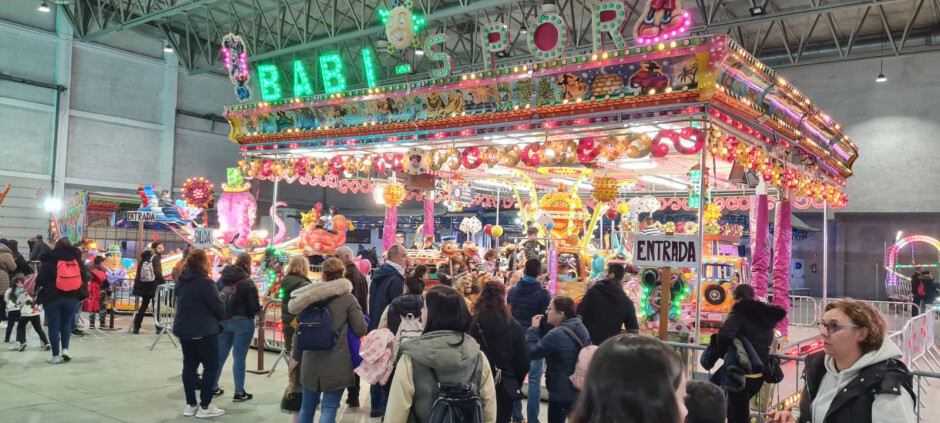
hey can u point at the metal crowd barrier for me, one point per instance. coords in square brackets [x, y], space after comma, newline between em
[895, 313]
[804, 311]
[787, 393]
[270, 321]
[165, 312]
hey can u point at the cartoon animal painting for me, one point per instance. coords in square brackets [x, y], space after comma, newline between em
[649, 78]
[435, 105]
[385, 108]
[455, 103]
[571, 86]
[236, 211]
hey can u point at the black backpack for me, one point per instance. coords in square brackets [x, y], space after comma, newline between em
[227, 293]
[458, 402]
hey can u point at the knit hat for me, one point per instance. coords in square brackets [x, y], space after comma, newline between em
[114, 249]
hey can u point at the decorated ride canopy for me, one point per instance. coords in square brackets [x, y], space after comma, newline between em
[622, 111]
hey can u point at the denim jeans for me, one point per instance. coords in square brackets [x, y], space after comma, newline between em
[59, 314]
[535, 390]
[327, 410]
[203, 350]
[517, 411]
[378, 397]
[76, 317]
[236, 336]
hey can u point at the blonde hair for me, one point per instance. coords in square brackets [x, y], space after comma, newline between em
[333, 269]
[865, 316]
[298, 265]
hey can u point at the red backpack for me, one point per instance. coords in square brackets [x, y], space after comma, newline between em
[68, 275]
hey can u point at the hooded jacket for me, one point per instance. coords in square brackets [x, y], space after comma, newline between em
[528, 298]
[507, 350]
[739, 362]
[560, 352]
[46, 290]
[401, 306]
[387, 285]
[246, 293]
[877, 388]
[148, 289]
[289, 284]
[453, 356]
[39, 248]
[328, 370]
[754, 321]
[199, 310]
[606, 310]
[7, 266]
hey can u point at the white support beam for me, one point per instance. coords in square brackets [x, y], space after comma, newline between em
[168, 138]
[25, 175]
[133, 123]
[63, 77]
[29, 105]
[97, 183]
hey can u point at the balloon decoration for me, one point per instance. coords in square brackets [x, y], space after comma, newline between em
[197, 192]
[532, 154]
[471, 158]
[488, 229]
[588, 150]
[611, 214]
[623, 208]
[393, 194]
[497, 231]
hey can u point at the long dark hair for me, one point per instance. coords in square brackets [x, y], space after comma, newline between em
[447, 310]
[244, 261]
[414, 283]
[492, 300]
[632, 379]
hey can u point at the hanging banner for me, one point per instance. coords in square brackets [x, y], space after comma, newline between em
[666, 251]
[553, 271]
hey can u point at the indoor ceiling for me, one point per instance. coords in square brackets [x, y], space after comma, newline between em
[787, 33]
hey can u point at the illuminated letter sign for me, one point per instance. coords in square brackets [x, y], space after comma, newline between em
[550, 37]
[438, 55]
[369, 66]
[331, 69]
[495, 39]
[268, 80]
[609, 17]
[301, 82]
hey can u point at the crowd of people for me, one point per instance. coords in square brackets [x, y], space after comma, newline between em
[469, 344]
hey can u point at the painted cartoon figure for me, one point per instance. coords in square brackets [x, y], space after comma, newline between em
[671, 19]
[649, 78]
[401, 26]
[115, 271]
[455, 103]
[571, 86]
[236, 61]
[435, 105]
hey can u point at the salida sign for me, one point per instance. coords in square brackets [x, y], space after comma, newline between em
[666, 251]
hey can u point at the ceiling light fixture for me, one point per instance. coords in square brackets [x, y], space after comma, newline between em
[44, 8]
[881, 74]
[168, 49]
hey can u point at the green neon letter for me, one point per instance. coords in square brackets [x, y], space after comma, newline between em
[369, 67]
[433, 54]
[268, 79]
[301, 82]
[331, 68]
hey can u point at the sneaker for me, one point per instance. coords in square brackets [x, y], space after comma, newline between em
[46, 347]
[352, 402]
[23, 346]
[190, 410]
[136, 331]
[54, 360]
[244, 396]
[65, 354]
[91, 326]
[78, 333]
[210, 411]
[15, 347]
[377, 413]
[217, 393]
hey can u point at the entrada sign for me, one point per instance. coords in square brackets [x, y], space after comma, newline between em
[547, 40]
[667, 251]
[137, 216]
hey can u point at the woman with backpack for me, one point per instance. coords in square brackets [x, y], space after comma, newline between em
[326, 312]
[240, 296]
[444, 356]
[858, 377]
[297, 270]
[199, 313]
[411, 302]
[503, 341]
[560, 348]
[60, 288]
[633, 379]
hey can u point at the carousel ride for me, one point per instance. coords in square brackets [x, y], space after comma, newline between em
[565, 141]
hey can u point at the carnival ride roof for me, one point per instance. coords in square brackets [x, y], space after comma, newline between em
[706, 83]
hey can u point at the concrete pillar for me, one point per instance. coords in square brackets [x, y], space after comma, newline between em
[168, 138]
[63, 77]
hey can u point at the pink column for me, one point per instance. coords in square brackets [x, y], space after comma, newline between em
[429, 213]
[783, 235]
[391, 226]
[760, 245]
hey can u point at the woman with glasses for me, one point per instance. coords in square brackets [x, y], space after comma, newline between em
[859, 377]
[560, 348]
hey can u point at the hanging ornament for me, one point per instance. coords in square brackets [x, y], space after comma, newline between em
[393, 194]
[492, 156]
[417, 162]
[320, 167]
[532, 155]
[367, 162]
[453, 158]
[588, 150]
[488, 229]
[336, 165]
[712, 213]
[611, 213]
[605, 188]
[471, 158]
[197, 192]
[611, 148]
[623, 208]
[639, 146]
[511, 156]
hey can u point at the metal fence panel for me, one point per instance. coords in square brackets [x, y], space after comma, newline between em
[804, 311]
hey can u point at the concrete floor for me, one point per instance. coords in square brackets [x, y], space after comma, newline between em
[113, 377]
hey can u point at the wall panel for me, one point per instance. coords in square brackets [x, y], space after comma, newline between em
[111, 152]
[25, 139]
[105, 82]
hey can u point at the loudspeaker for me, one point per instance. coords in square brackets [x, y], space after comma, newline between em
[742, 175]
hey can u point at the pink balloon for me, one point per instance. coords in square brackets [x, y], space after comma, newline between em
[364, 265]
[488, 229]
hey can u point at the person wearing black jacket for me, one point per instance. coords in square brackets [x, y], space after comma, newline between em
[22, 266]
[605, 309]
[503, 341]
[38, 249]
[754, 321]
[238, 327]
[147, 290]
[361, 292]
[388, 283]
[411, 302]
[60, 305]
[199, 312]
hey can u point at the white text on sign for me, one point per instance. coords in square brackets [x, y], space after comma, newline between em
[666, 251]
